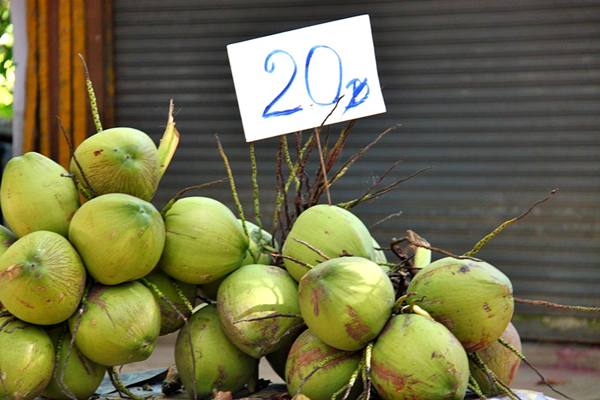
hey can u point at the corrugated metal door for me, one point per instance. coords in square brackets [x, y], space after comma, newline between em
[501, 97]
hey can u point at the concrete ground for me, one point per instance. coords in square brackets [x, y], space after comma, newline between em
[573, 370]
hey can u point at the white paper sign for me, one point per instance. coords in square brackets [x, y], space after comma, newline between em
[291, 81]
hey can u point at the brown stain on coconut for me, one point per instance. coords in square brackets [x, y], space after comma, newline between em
[316, 295]
[98, 152]
[399, 382]
[356, 328]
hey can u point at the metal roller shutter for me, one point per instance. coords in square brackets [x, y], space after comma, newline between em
[501, 97]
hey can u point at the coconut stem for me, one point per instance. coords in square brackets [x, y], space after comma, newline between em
[322, 162]
[86, 188]
[270, 316]
[91, 95]
[474, 386]
[255, 188]
[288, 159]
[322, 364]
[372, 194]
[60, 376]
[182, 296]
[291, 177]
[492, 376]
[234, 193]
[183, 191]
[7, 322]
[479, 245]
[367, 371]
[348, 387]
[115, 379]
[550, 304]
[292, 259]
[311, 247]
[521, 356]
[163, 297]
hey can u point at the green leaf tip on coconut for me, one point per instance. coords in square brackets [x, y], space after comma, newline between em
[37, 194]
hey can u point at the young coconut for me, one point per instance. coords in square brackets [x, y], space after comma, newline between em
[332, 230]
[26, 360]
[7, 238]
[80, 376]
[204, 241]
[317, 370]
[118, 160]
[207, 361]
[170, 319]
[346, 301]
[42, 278]
[36, 194]
[472, 298]
[120, 324]
[501, 360]
[257, 237]
[120, 237]
[418, 358]
[258, 308]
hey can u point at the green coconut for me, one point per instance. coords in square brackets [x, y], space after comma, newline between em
[257, 305]
[37, 195]
[332, 230]
[7, 238]
[501, 360]
[120, 324]
[170, 319]
[26, 360]
[42, 278]
[472, 298]
[317, 370]
[346, 301]
[257, 236]
[120, 237]
[417, 358]
[204, 242]
[207, 361]
[80, 376]
[118, 160]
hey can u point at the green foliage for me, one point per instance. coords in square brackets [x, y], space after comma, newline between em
[7, 65]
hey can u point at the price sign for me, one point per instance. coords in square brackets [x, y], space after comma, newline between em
[291, 81]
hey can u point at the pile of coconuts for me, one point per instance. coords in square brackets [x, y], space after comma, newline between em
[91, 274]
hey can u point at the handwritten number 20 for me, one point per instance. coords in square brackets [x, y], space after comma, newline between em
[357, 85]
[270, 67]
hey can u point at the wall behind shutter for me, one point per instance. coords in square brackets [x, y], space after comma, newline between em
[501, 98]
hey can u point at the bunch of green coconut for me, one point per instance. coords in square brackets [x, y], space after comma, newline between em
[91, 273]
